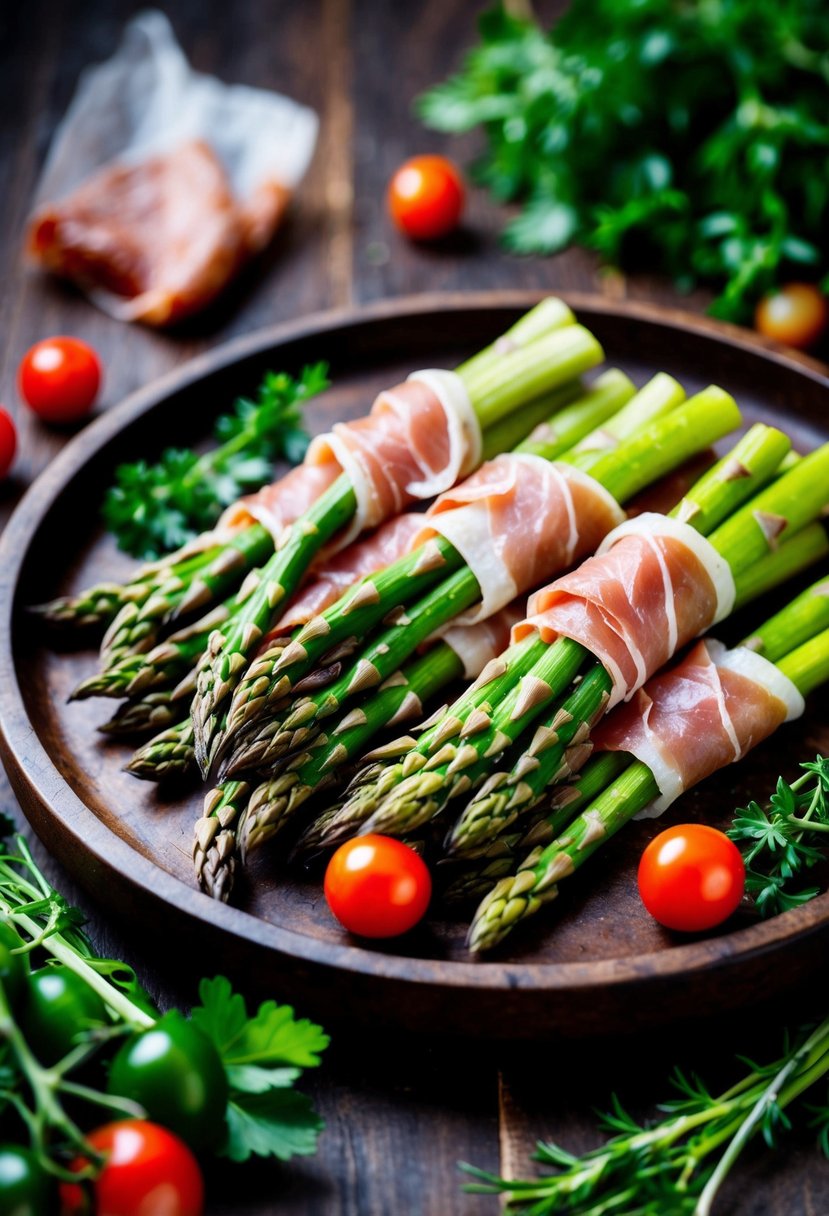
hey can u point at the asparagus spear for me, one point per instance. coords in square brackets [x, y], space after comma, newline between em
[651, 450]
[214, 840]
[517, 377]
[98, 605]
[742, 540]
[169, 754]
[137, 627]
[536, 882]
[272, 676]
[275, 802]
[477, 875]
[156, 711]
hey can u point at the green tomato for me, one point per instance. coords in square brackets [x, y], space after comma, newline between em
[174, 1072]
[13, 967]
[25, 1187]
[58, 1008]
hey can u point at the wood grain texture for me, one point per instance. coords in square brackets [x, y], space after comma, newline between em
[400, 1110]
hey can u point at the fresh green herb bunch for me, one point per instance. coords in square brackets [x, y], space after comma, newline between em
[243, 1103]
[692, 137]
[155, 508]
[781, 841]
[674, 1167]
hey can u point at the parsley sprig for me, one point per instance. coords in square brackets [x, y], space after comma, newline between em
[263, 1053]
[781, 841]
[154, 508]
[689, 137]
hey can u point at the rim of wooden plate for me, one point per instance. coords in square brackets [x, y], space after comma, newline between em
[41, 787]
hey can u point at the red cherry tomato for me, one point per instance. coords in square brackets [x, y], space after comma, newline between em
[691, 877]
[377, 886]
[796, 314]
[426, 197]
[8, 441]
[147, 1170]
[59, 378]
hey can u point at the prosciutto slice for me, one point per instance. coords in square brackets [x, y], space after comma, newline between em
[333, 577]
[653, 585]
[708, 711]
[476, 644]
[419, 438]
[281, 503]
[517, 521]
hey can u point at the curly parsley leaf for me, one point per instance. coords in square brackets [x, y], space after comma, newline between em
[155, 508]
[687, 137]
[263, 1056]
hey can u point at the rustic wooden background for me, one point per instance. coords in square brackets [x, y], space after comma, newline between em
[399, 1113]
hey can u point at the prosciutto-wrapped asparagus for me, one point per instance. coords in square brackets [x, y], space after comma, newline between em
[685, 724]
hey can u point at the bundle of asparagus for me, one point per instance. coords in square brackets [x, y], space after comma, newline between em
[333, 630]
[737, 700]
[652, 450]
[652, 435]
[460, 750]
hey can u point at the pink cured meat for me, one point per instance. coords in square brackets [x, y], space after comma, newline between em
[519, 520]
[277, 505]
[708, 711]
[476, 644]
[654, 585]
[334, 577]
[419, 439]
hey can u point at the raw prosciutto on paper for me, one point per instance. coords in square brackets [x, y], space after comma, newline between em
[653, 585]
[519, 520]
[419, 439]
[161, 182]
[708, 711]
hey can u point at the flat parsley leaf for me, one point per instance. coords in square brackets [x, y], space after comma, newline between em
[263, 1056]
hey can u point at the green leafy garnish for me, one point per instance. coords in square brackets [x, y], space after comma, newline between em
[263, 1056]
[677, 1164]
[690, 137]
[155, 508]
[781, 841]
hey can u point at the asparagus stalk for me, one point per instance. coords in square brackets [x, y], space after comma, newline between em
[154, 712]
[467, 761]
[536, 882]
[477, 875]
[98, 605]
[275, 802]
[214, 839]
[169, 754]
[517, 377]
[273, 675]
[137, 627]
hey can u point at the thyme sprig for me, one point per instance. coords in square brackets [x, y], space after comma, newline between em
[674, 1167]
[781, 841]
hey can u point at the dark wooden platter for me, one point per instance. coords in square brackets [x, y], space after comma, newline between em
[595, 961]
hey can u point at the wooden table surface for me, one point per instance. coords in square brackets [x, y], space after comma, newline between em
[399, 1112]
